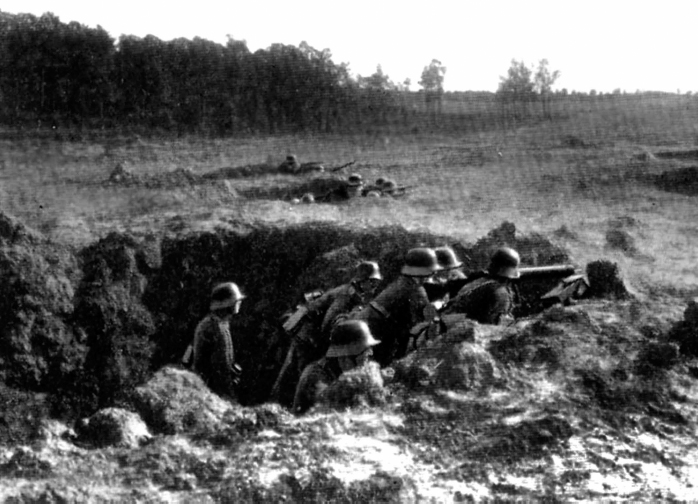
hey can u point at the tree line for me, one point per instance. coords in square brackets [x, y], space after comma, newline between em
[68, 74]
[71, 74]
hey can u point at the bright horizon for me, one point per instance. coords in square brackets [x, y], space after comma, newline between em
[601, 45]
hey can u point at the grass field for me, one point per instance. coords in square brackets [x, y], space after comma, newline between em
[582, 173]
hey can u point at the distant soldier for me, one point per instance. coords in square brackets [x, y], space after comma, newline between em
[491, 298]
[351, 346]
[311, 332]
[355, 184]
[213, 352]
[389, 188]
[375, 189]
[290, 165]
[401, 306]
[346, 189]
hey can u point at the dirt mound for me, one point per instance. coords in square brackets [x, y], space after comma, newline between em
[467, 366]
[37, 344]
[620, 239]
[685, 332]
[362, 386]
[113, 427]
[176, 400]
[574, 142]
[682, 181]
[690, 154]
[117, 326]
[605, 280]
[21, 415]
[331, 269]
[320, 187]
[236, 172]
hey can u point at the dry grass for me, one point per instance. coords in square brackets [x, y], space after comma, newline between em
[467, 184]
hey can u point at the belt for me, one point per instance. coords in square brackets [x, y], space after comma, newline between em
[379, 309]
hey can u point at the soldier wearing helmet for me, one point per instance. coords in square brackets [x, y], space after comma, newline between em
[451, 266]
[374, 189]
[351, 346]
[355, 184]
[291, 165]
[214, 354]
[389, 188]
[311, 335]
[451, 273]
[491, 298]
[402, 305]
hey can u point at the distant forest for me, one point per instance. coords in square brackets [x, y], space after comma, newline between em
[59, 75]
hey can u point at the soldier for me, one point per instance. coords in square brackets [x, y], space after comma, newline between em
[451, 271]
[374, 189]
[290, 165]
[491, 298]
[389, 188]
[312, 330]
[214, 355]
[351, 346]
[355, 184]
[345, 189]
[401, 306]
[451, 266]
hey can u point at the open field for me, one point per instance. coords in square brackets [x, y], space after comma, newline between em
[579, 403]
[582, 173]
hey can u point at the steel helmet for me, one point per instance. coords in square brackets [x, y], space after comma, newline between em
[389, 186]
[355, 179]
[225, 295]
[447, 258]
[368, 270]
[505, 263]
[350, 338]
[420, 262]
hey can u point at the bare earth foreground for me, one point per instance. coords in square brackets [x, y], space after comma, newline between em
[592, 401]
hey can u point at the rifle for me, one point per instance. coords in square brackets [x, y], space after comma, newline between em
[400, 190]
[337, 168]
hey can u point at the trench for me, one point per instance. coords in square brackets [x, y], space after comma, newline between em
[129, 305]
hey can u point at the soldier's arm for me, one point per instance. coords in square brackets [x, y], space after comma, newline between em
[319, 306]
[309, 388]
[343, 303]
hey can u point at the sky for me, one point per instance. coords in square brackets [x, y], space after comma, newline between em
[595, 44]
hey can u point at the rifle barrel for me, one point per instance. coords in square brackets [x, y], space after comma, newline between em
[556, 270]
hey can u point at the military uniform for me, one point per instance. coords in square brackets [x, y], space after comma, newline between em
[352, 346]
[488, 300]
[392, 314]
[214, 355]
[315, 379]
[312, 339]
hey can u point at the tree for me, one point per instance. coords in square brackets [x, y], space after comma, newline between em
[517, 90]
[432, 83]
[543, 82]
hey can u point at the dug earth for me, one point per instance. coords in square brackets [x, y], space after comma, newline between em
[595, 399]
